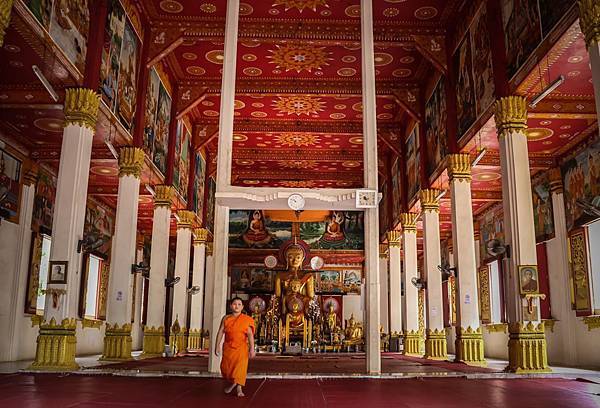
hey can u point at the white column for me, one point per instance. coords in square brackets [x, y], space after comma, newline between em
[384, 297]
[559, 273]
[182, 267]
[200, 236]
[412, 336]
[159, 257]
[138, 284]
[525, 354]
[117, 340]
[17, 290]
[590, 26]
[209, 275]
[469, 337]
[394, 242]
[435, 342]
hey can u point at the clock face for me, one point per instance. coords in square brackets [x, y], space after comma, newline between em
[296, 202]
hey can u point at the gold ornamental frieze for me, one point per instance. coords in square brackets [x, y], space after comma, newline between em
[383, 251]
[186, 219]
[81, 107]
[200, 235]
[429, 199]
[163, 196]
[459, 167]
[131, 161]
[589, 20]
[154, 342]
[409, 222]
[510, 114]
[394, 238]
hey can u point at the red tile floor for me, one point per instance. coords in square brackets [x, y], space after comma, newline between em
[75, 390]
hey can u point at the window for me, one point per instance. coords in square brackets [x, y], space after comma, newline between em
[43, 275]
[91, 287]
[496, 291]
[594, 244]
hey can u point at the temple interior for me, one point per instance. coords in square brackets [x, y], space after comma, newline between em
[398, 190]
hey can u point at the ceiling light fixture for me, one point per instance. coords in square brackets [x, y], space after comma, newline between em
[45, 82]
[150, 190]
[440, 195]
[112, 149]
[557, 82]
[479, 157]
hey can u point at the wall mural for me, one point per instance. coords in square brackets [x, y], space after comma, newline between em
[330, 282]
[251, 229]
[100, 219]
[581, 178]
[491, 226]
[435, 122]
[412, 164]
[181, 172]
[10, 179]
[526, 23]
[69, 26]
[198, 193]
[465, 89]
[542, 209]
[43, 201]
[210, 203]
[158, 117]
[251, 279]
[340, 230]
[384, 209]
[396, 190]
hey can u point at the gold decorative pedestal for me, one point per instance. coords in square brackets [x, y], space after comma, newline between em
[154, 342]
[195, 339]
[469, 347]
[435, 345]
[527, 351]
[413, 341]
[117, 343]
[178, 340]
[56, 345]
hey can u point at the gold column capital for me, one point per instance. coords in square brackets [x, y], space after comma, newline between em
[131, 161]
[409, 222]
[81, 108]
[510, 114]
[589, 20]
[459, 167]
[5, 8]
[429, 199]
[30, 177]
[209, 248]
[163, 196]
[186, 218]
[200, 235]
[383, 251]
[556, 182]
[394, 238]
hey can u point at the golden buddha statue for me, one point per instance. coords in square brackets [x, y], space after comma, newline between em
[257, 317]
[353, 333]
[331, 319]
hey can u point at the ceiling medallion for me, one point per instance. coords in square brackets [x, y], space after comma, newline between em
[391, 12]
[299, 105]
[251, 182]
[210, 113]
[337, 115]
[208, 8]
[299, 57]
[171, 6]
[351, 163]
[358, 140]
[295, 183]
[537, 134]
[297, 139]
[383, 58]
[346, 72]
[190, 56]
[49, 124]
[298, 164]
[215, 56]
[300, 5]
[252, 71]
[195, 70]
[402, 73]
[353, 11]
[348, 59]
[426, 13]
[259, 114]
[245, 9]
[249, 57]
[237, 104]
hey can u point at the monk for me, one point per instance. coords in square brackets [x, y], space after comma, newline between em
[238, 329]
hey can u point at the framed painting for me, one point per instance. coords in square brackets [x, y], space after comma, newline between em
[352, 279]
[435, 121]
[10, 185]
[330, 282]
[465, 89]
[529, 281]
[58, 272]
[69, 26]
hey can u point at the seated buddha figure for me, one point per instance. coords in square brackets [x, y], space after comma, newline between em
[334, 232]
[353, 333]
[295, 288]
[256, 234]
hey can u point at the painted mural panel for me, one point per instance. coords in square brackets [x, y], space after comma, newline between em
[100, 220]
[465, 89]
[251, 279]
[161, 140]
[340, 230]
[412, 164]
[396, 190]
[150, 114]
[483, 74]
[69, 25]
[198, 193]
[126, 88]
[435, 120]
[252, 229]
[42, 10]
[581, 178]
[522, 34]
[43, 202]
[542, 210]
[210, 202]
[111, 50]
[491, 226]
[352, 279]
[330, 282]
[181, 172]
[10, 187]
[384, 209]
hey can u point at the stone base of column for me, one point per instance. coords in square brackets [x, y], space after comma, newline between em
[195, 339]
[469, 347]
[178, 340]
[56, 345]
[154, 342]
[117, 343]
[527, 351]
[435, 345]
[413, 341]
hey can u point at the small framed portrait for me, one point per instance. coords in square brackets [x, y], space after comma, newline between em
[528, 279]
[58, 272]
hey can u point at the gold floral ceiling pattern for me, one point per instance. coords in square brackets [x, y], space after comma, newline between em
[299, 105]
[299, 57]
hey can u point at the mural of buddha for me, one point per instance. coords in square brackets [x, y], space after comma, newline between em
[256, 234]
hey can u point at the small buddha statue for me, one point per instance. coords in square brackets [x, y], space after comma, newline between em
[331, 321]
[257, 317]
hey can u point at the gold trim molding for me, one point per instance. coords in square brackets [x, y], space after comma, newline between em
[459, 167]
[510, 114]
[163, 196]
[589, 21]
[469, 346]
[5, 8]
[394, 239]
[81, 108]
[200, 235]
[209, 249]
[409, 222]
[429, 199]
[36, 320]
[497, 328]
[549, 324]
[592, 322]
[131, 161]
[91, 324]
[383, 251]
[527, 351]
[186, 219]
[413, 340]
[56, 344]
[436, 347]
[117, 342]
[154, 342]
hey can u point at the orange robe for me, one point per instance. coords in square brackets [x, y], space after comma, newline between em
[234, 364]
